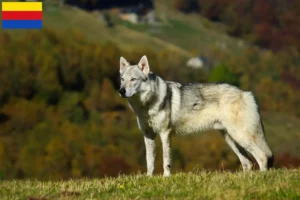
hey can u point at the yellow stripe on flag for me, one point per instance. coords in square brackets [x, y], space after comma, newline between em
[22, 6]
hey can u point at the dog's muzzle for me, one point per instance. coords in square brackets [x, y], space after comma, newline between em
[122, 92]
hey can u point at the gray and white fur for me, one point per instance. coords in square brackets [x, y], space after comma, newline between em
[164, 107]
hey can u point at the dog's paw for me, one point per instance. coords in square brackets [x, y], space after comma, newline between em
[149, 174]
[167, 174]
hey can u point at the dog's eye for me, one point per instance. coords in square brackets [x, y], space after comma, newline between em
[133, 79]
[122, 79]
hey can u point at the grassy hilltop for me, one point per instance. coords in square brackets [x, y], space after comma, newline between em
[275, 184]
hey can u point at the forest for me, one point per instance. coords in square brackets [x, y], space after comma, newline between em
[272, 24]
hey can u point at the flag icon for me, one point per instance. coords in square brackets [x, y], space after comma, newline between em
[22, 15]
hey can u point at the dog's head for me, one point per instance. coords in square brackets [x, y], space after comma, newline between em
[133, 76]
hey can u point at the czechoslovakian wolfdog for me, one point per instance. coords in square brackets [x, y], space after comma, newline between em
[165, 107]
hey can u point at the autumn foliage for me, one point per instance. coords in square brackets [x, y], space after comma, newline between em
[267, 23]
[61, 116]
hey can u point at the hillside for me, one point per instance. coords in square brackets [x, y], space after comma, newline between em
[65, 19]
[275, 184]
[177, 33]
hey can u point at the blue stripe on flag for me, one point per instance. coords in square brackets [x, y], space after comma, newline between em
[22, 24]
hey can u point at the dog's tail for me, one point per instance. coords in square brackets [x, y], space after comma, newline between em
[271, 156]
[270, 161]
[253, 114]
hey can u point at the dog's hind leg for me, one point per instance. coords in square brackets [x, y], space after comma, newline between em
[239, 151]
[250, 143]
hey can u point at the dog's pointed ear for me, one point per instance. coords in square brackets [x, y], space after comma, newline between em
[144, 65]
[123, 65]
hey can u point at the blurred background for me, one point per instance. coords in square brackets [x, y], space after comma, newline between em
[60, 113]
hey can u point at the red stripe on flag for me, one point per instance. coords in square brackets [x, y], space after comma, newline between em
[22, 15]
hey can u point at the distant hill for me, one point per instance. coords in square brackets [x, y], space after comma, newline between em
[107, 4]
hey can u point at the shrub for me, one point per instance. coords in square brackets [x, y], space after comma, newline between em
[221, 73]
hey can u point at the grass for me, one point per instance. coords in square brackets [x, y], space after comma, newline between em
[274, 184]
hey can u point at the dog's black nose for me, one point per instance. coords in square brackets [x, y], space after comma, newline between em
[122, 91]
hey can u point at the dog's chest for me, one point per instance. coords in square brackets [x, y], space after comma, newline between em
[155, 120]
[150, 115]
[152, 119]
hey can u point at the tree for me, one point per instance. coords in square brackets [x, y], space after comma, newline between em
[221, 73]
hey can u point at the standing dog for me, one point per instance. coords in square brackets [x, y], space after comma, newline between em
[163, 107]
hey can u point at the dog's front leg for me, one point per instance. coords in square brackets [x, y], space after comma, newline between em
[150, 153]
[167, 157]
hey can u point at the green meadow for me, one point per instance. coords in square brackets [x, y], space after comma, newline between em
[274, 184]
